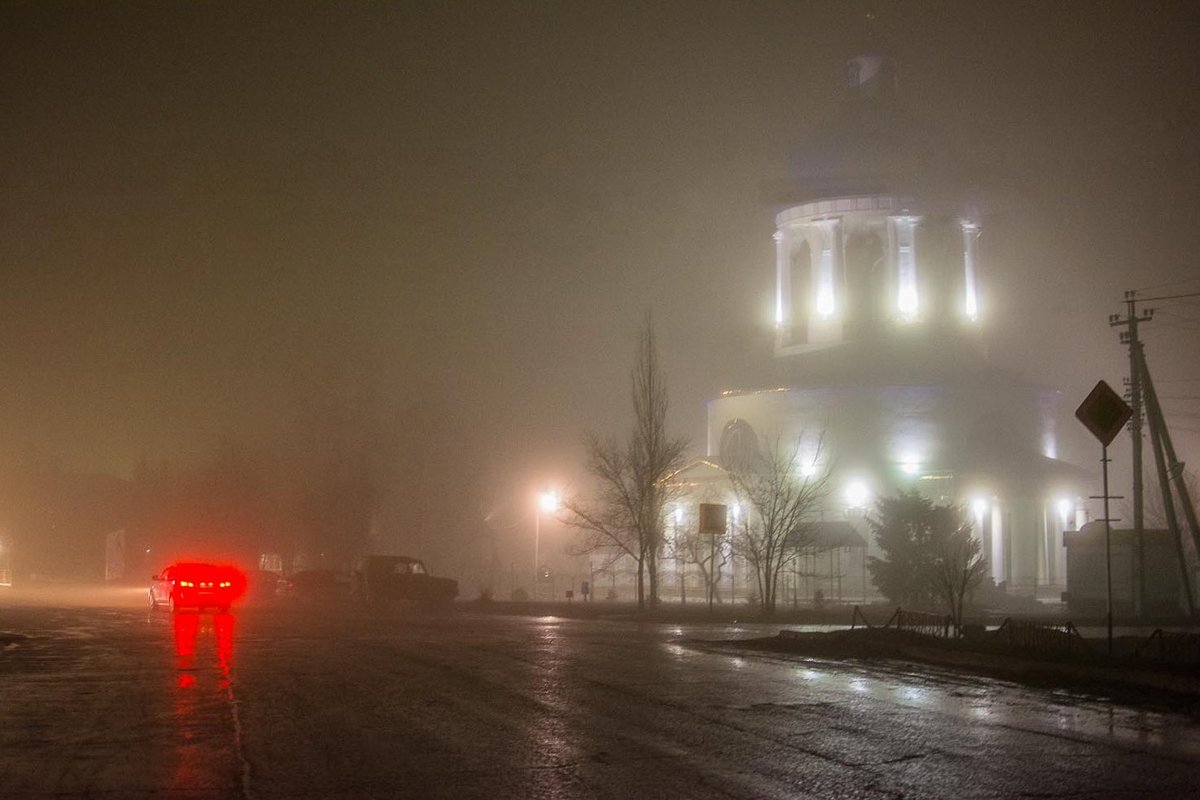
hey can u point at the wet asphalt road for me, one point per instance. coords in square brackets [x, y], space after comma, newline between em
[285, 701]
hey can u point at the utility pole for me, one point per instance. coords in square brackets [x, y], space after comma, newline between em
[1160, 440]
[1130, 337]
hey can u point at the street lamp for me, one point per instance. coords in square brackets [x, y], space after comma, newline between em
[548, 502]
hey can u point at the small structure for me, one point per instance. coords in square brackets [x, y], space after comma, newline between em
[829, 552]
[1086, 572]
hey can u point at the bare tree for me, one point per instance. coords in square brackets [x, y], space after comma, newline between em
[690, 546]
[782, 494]
[634, 488]
[958, 567]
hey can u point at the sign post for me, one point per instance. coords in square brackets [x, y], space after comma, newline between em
[1104, 413]
[712, 524]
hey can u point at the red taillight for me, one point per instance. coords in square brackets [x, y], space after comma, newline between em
[187, 584]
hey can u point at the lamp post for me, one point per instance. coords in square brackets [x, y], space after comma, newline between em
[548, 503]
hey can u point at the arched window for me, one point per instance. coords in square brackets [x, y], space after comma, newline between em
[801, 286]
[864, 283]
[739, 445]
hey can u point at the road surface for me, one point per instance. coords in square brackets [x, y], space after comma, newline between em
[113, 701]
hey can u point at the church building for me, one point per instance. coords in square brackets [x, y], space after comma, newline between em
[881, 367]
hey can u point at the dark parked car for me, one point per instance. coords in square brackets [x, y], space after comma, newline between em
[319, 584]
[383, 580]
[191, 584]
[263, 585]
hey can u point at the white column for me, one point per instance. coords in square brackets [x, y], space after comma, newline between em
[826, 292]
[971, 300]
[907, 296]
[998, 536]
[783, 278]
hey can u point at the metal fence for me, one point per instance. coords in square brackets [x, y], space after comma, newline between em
[1172, 648]
[1041, 637]
[921, 622]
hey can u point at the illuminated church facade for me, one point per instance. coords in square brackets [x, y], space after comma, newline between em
[881, 369]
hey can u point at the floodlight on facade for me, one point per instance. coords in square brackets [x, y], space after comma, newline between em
[858, 494]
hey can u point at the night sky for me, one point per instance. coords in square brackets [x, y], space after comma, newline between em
[216, 216]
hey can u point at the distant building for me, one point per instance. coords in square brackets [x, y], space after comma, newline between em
[1088, 566]
[881, 368]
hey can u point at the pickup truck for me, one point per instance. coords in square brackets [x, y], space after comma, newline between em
[385, 580]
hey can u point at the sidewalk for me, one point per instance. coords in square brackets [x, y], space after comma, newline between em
[1138, 679]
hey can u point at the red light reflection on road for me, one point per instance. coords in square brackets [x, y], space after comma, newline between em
[223, 626]
[187, 629]
[203, 698]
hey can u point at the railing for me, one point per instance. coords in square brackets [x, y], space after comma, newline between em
[922, 622]
[1173, 648]
[856, 617]
[1042, 637]
[915, 621]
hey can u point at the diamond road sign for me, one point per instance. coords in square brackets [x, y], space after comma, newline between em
[1104, 413]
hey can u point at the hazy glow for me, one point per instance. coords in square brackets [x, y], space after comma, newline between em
[970, 231]
[857, 494]
[825, 298]
[548, 501]
[907, 302]
[906, 269]
[780, 265]
[999, 534]
[979, 506]
[1065, 509]
[678, 515]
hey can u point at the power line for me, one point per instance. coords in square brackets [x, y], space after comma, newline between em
[1169, 296]
[1168, 283]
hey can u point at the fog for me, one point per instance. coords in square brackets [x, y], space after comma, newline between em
[406, 249]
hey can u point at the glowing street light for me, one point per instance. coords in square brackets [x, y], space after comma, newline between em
[548, 502]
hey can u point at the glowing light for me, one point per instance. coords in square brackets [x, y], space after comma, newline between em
[780, 261]
[1065, 508]
[980, 506]
[971, 306]
[906, 268]
[910, 467]
[907, 302]
[825, 307]
[678, 515]
[809, 470]
[548, 501]
[857, 494]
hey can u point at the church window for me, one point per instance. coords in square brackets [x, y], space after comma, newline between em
[739, 445]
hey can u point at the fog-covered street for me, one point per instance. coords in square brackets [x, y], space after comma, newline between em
[301, 701]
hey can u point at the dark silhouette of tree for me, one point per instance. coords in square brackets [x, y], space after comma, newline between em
[633, 479]
[930, 555]
[958, 567]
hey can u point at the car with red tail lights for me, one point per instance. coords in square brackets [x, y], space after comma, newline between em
[193, 584]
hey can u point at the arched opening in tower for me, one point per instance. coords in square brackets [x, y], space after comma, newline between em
[864, 283]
